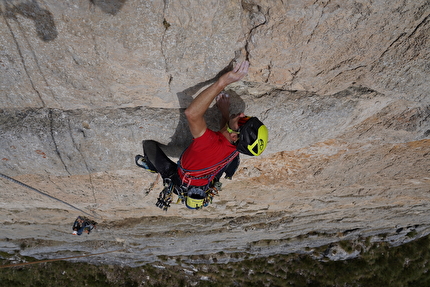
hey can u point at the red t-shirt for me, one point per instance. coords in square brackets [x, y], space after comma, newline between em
[205, 151]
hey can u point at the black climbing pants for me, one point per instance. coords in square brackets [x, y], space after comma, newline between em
[158, 160]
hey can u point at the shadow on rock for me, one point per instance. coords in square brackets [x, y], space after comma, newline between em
[182, 136]
[111, 7]
[43, 19]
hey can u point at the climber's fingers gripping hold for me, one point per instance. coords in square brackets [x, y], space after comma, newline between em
[238, 72]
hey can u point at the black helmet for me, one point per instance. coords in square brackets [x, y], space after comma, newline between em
[253, 137]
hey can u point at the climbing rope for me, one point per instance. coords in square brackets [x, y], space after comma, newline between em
[151, 186]
[45, 194]
[58, 259]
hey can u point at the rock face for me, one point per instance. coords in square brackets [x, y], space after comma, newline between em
[342, 86]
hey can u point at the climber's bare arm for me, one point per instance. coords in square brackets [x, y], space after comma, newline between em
[201, 103]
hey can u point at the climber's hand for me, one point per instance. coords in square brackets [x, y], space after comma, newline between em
[239, 71]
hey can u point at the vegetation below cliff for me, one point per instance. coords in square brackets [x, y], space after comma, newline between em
[378, 264]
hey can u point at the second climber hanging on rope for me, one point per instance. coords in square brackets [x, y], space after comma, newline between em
[196, 176]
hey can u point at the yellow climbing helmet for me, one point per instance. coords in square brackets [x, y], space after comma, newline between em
[253, 137]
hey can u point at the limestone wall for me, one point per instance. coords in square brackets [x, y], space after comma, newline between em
[342, 85]
[83, 82]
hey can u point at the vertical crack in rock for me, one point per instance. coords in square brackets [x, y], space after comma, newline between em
[52, 132]
[6, 15]
[257, 19]
[83, 158]
[423, 8]
[314, 28]
[10, 13]
[318, 23]
[398, 41]
[391, 45]
[163, 38]
[419, 25]
[269, 68]
[312, 35]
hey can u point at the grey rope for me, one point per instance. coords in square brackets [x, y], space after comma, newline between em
[45, 194]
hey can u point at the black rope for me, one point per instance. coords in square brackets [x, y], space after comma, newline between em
[45, 194]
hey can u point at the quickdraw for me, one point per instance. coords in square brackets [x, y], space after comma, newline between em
[165, 197]
[211, 193]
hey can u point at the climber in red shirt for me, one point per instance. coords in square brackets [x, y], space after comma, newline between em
[211, 153]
